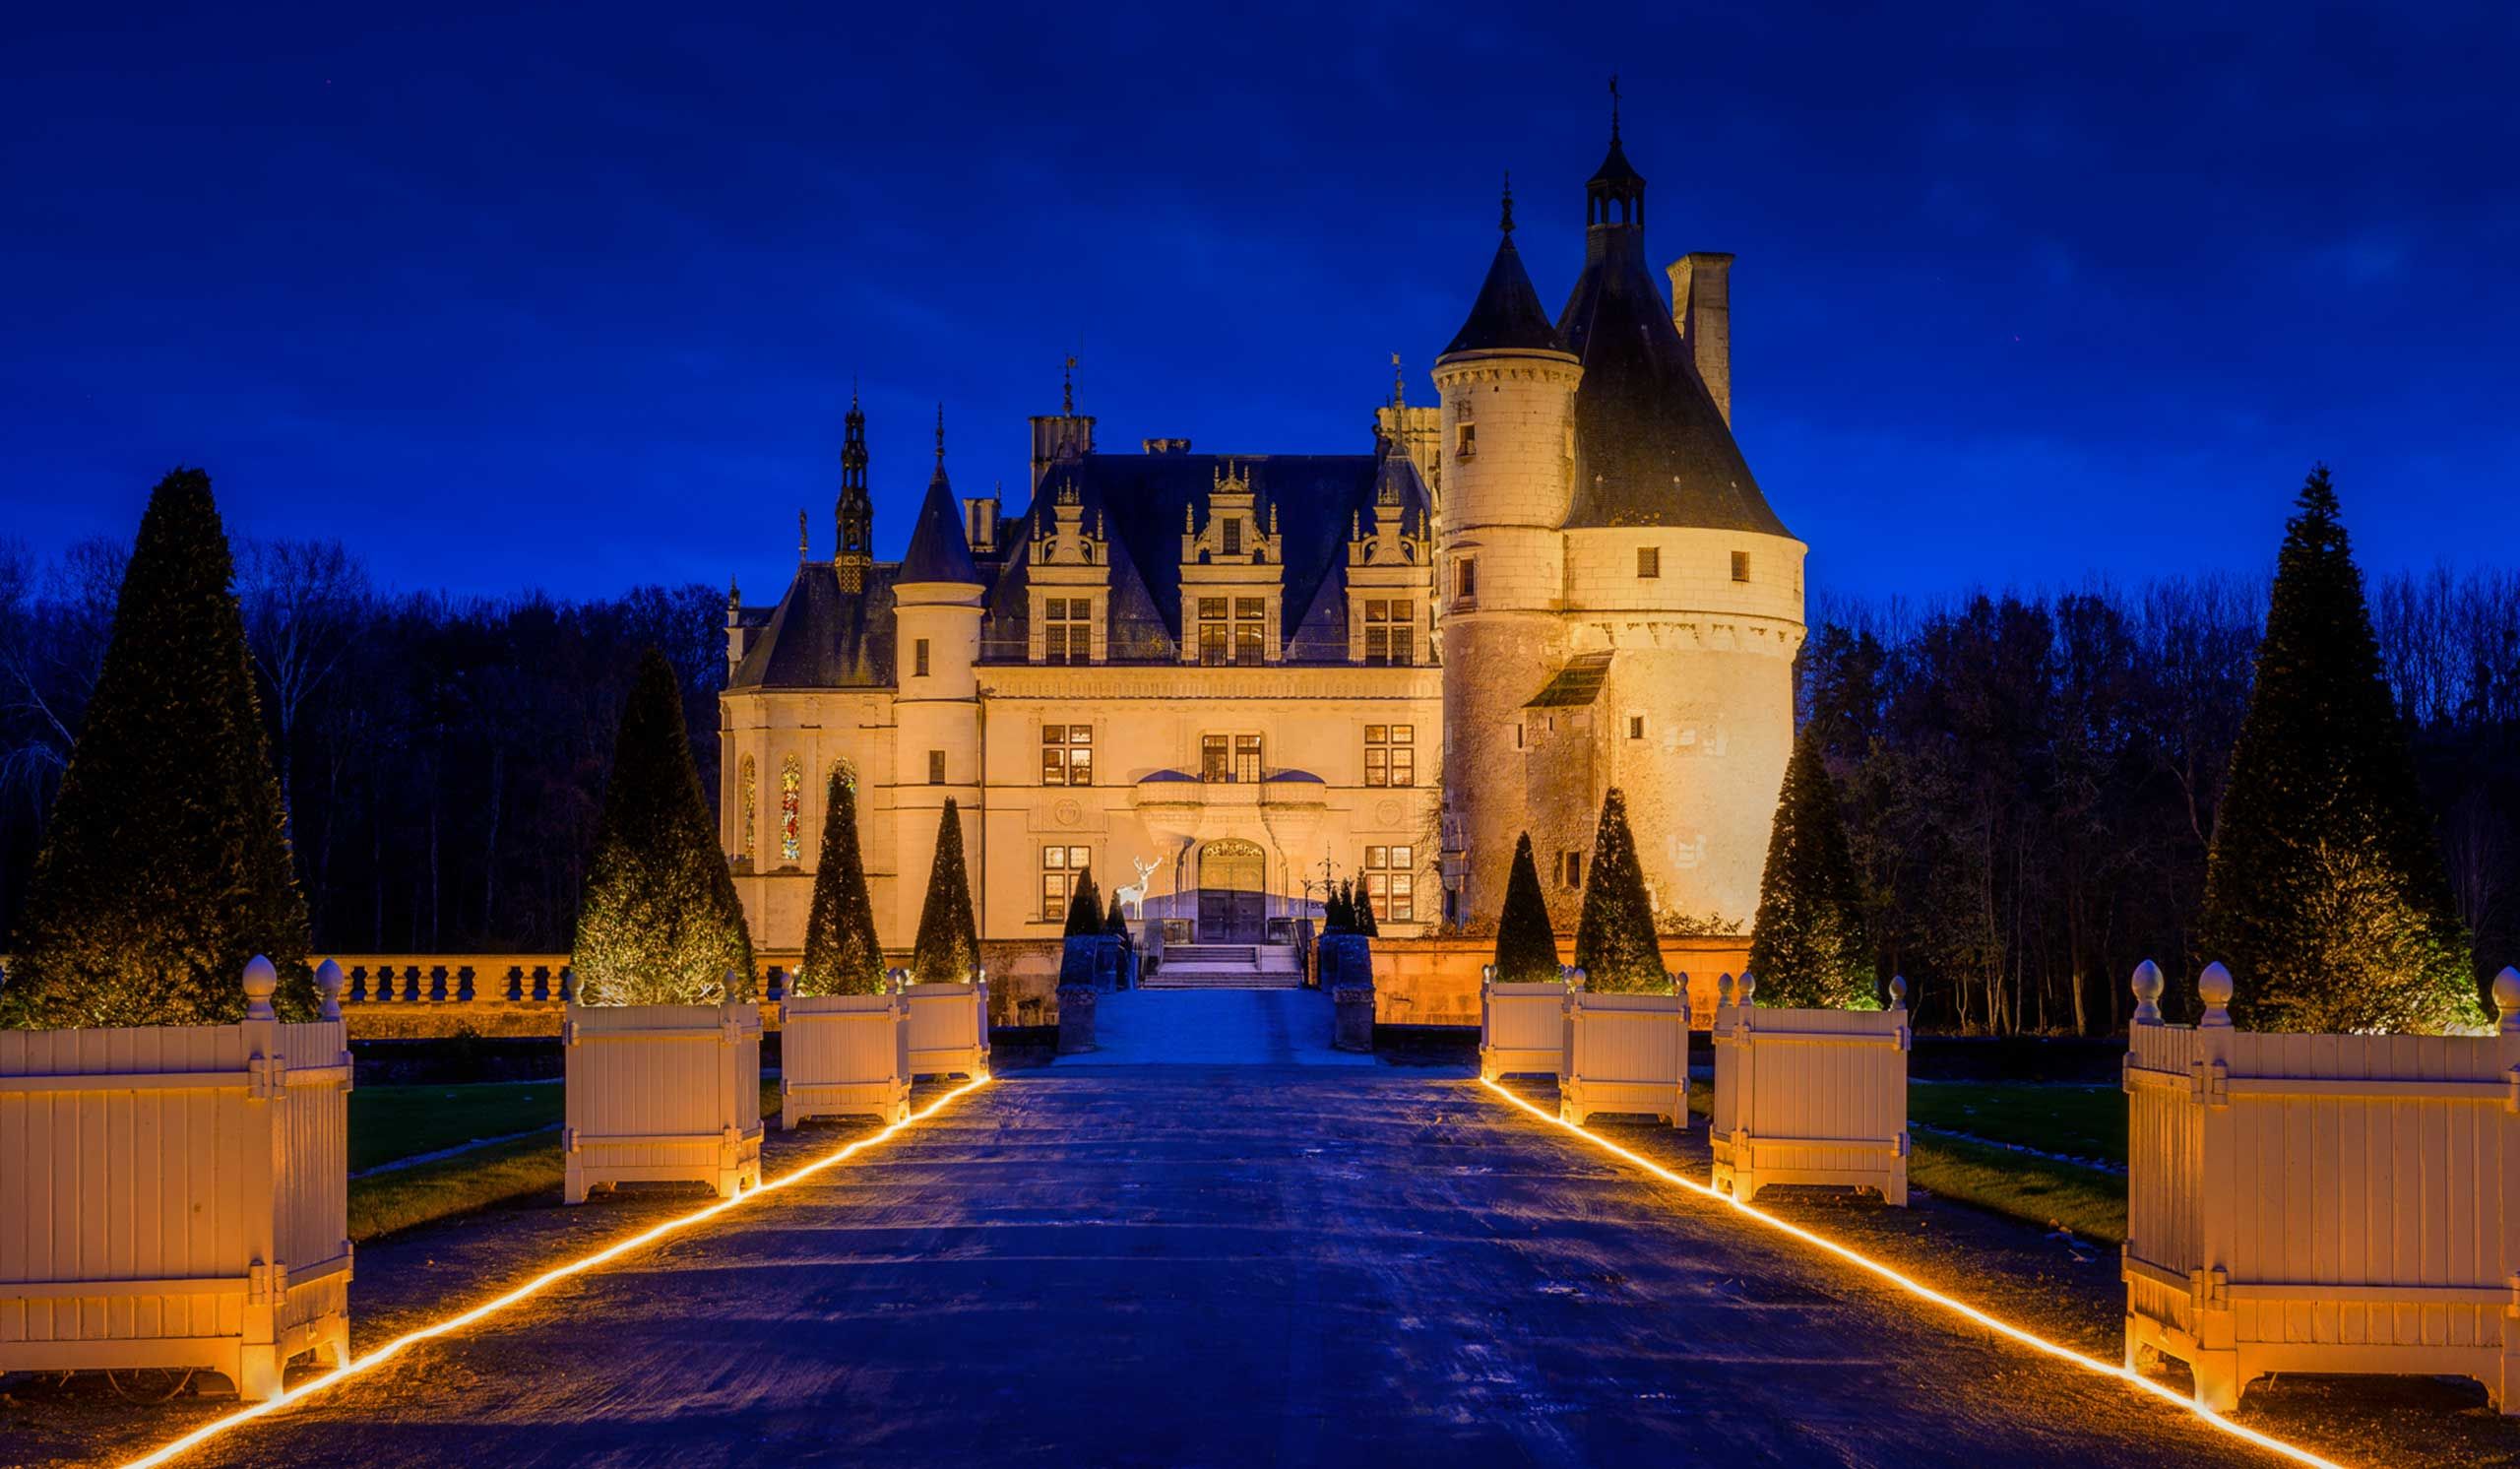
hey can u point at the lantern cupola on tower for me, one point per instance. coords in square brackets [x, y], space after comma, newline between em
[856, 552]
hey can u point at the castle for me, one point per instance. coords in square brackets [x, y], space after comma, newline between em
[1247, 675]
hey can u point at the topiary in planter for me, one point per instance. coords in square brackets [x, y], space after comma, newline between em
[659, 921]
[949, 938]
[165, 867]
[842, 953]
[1808, 945]
[1084, 907]
[1526, 942]
[1614, 940]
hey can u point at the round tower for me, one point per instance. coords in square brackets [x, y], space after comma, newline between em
[1508, 387]
[936, 618]
[1683, 586]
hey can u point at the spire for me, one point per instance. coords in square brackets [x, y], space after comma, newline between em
[1615, 196]
[1507, 315]
[1613, 106]
[855, 512]
[1399, 384]
[1506, 224]
[939, 551]
[804, 540]
[1067, 388]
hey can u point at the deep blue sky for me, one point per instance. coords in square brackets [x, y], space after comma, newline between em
[575, 300]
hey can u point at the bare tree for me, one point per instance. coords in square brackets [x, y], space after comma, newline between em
[306, 604]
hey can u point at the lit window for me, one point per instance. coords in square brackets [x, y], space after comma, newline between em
[1246, 758]
[1465, 441]
[1469, 586]
[1391, 754]
[1391, 883]
[1250, 629]
[791, 811]
[1061, 866]
[1067, 629]
[747, 801]
[936, 767]
[1390, 632]
[918, 659]
[1214, 630]
[1648, 562]
[1740, 566]
[1570, 870]
[1215, 758]
[1067, 754]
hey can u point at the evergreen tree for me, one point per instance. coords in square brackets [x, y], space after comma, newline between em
[659, 921]
[2324, 888]
[1614, 941]
[1526, 943]
[842, 953]
[1364, 915]
[1340, 916]
[165, 866]
[949, 939]
[1084, 907]
[1116, 923]
[1808, 945]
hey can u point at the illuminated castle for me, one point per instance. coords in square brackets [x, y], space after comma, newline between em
[1251, 671]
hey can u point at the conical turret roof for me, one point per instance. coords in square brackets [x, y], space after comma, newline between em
[938, 550]
[1508, 316]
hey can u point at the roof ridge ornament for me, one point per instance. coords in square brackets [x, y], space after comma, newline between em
[1613, 106]
[1229, 482]
[1506, 224]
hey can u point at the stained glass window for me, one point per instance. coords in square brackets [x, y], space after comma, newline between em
[747, 800]
[791, 811]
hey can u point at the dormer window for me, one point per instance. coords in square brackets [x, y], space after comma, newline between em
[1067, 629]
[1232, 533]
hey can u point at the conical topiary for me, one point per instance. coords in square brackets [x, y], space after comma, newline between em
[1614, 941]
[1363, 917]
[1526, 943]
[659, 921]
[842, 953]
[1116, 923]
[1084, 907]
[165, 867]
[1334, 910]
[2324, 888]
[1808, 945]
[949, 940]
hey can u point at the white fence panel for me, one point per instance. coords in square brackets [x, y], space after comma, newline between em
[177, 1197]
[662, 1093]
[949, 1029]
[844, 1056]
[2323, 1203]
[1810, 1096]
[1522, 1028]
[1625, 1053]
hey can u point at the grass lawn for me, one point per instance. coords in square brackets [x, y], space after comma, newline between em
[422, 1118]
[2081, 1122]
[397, 1122]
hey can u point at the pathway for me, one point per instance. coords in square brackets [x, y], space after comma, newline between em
[1214, 1028]
[1225, 1266]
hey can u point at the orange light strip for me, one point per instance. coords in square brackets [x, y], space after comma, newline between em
[1912, 1287]
[532, 1287]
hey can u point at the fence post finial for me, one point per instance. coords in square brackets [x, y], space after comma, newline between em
[1749, 988]
[1487, 976]
[2147, 984]
[1898, 991]
[2214, 987]
[1724, 989]
[327, 983]
[1575, 979]
[261, 980]
[2506, 998]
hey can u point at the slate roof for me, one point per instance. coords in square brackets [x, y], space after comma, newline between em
[1138, 501]
[822, 637]
[1507, 316]
[939, 551]
[1576, 684]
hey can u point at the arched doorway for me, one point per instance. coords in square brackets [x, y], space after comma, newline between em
[1232, 882]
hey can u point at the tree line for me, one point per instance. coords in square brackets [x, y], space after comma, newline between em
[442, 759]
[2030, 781]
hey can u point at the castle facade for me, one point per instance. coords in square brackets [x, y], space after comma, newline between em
[1224, 679]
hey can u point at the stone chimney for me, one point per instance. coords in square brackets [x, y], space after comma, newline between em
[1702, 309]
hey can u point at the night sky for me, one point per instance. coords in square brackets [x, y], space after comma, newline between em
[575, 301]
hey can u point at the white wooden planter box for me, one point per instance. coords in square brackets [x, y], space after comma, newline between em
[177, 1197]
[1522, 1028]
[949, 1030]
[1625, 1053]
[662, 1093]
[2320, 1203]
[844, 1056]
[1810, 1096]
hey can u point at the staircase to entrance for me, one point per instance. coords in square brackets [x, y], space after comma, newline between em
[1227, 965]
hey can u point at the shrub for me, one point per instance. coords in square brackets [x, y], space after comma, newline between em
[1614, 941]
[1525, 943]
[165, 867]
[949, 938]
[1084, 907]
[659, 923]
[842, 953]
[1808, 945]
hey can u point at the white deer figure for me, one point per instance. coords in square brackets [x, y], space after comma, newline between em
[1133, 896]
